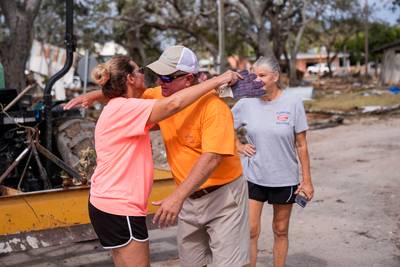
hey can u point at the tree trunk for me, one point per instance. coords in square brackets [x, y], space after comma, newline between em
[278, 48]
[16, 47]
[293, 46]
[287, 60]
[264, 49]
[293, 80]
[277, 38]
[329, 60]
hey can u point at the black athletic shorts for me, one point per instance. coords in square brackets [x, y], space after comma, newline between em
[272, 195]
[116, 231]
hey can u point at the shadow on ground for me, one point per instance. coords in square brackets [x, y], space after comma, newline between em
[294, 260]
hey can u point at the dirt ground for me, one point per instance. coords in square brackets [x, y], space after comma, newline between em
[354, 219]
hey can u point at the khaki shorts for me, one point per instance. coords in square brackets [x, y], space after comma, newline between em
[214, 229]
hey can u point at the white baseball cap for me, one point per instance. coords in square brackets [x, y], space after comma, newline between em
[175, 58]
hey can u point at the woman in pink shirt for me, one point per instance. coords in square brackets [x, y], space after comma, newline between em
[122, 181]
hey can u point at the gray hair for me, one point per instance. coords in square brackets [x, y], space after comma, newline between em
[271, 63]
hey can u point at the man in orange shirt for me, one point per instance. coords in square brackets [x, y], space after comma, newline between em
[211, 197]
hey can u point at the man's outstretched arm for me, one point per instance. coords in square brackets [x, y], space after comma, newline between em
[170, 207]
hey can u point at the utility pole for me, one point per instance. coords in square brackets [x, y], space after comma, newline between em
[366, 29]
[221, 38]
[85, 79]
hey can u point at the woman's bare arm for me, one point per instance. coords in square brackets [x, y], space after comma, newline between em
[306, 185]
[86, 100]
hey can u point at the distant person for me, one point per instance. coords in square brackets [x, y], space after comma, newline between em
[275, 127]
[123, 177]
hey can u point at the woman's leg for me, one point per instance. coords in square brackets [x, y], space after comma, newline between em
[135, 254]
[255, 210]
[280, 227]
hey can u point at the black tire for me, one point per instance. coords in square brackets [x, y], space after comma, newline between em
[76, 135]
[72, 137]
[159, 152]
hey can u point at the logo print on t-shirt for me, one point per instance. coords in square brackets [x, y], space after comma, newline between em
[282, 117]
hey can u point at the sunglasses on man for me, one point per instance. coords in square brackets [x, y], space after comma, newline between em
[139, 70]
[171, 77]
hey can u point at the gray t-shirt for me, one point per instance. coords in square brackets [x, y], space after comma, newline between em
[271, 128]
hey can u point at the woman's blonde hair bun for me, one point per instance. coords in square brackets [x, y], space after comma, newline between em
[100, 74]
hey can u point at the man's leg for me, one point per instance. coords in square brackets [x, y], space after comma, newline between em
[228, 224]
[192, 236]
[135, 254]
[255, 210]
[280, 227]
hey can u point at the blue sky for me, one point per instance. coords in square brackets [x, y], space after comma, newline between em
[382, 11]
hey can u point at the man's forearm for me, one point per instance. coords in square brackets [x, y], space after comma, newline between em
[169, 207]
[200, 172]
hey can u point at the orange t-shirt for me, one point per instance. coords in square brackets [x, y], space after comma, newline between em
[123, 178]
[204, 126]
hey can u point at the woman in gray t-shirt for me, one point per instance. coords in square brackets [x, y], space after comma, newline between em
[275, 127]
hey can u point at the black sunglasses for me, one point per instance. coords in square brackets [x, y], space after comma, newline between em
[140, 70]
[171, 77]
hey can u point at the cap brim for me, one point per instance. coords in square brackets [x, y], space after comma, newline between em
[161, 68]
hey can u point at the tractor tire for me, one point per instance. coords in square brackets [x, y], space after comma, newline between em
[76, 135]
[159, 152]
[72, 137]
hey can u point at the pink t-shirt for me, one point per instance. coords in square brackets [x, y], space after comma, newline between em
[123, 178]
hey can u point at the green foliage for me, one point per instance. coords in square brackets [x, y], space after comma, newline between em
[339, 21]
[50, 23]
[144, 28]
[379, 35]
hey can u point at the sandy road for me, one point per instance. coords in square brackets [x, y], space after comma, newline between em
[354, 219]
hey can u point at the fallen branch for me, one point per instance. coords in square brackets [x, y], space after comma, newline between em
[384, 110]
[322, 124]
[332, 112]
[376, 111]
